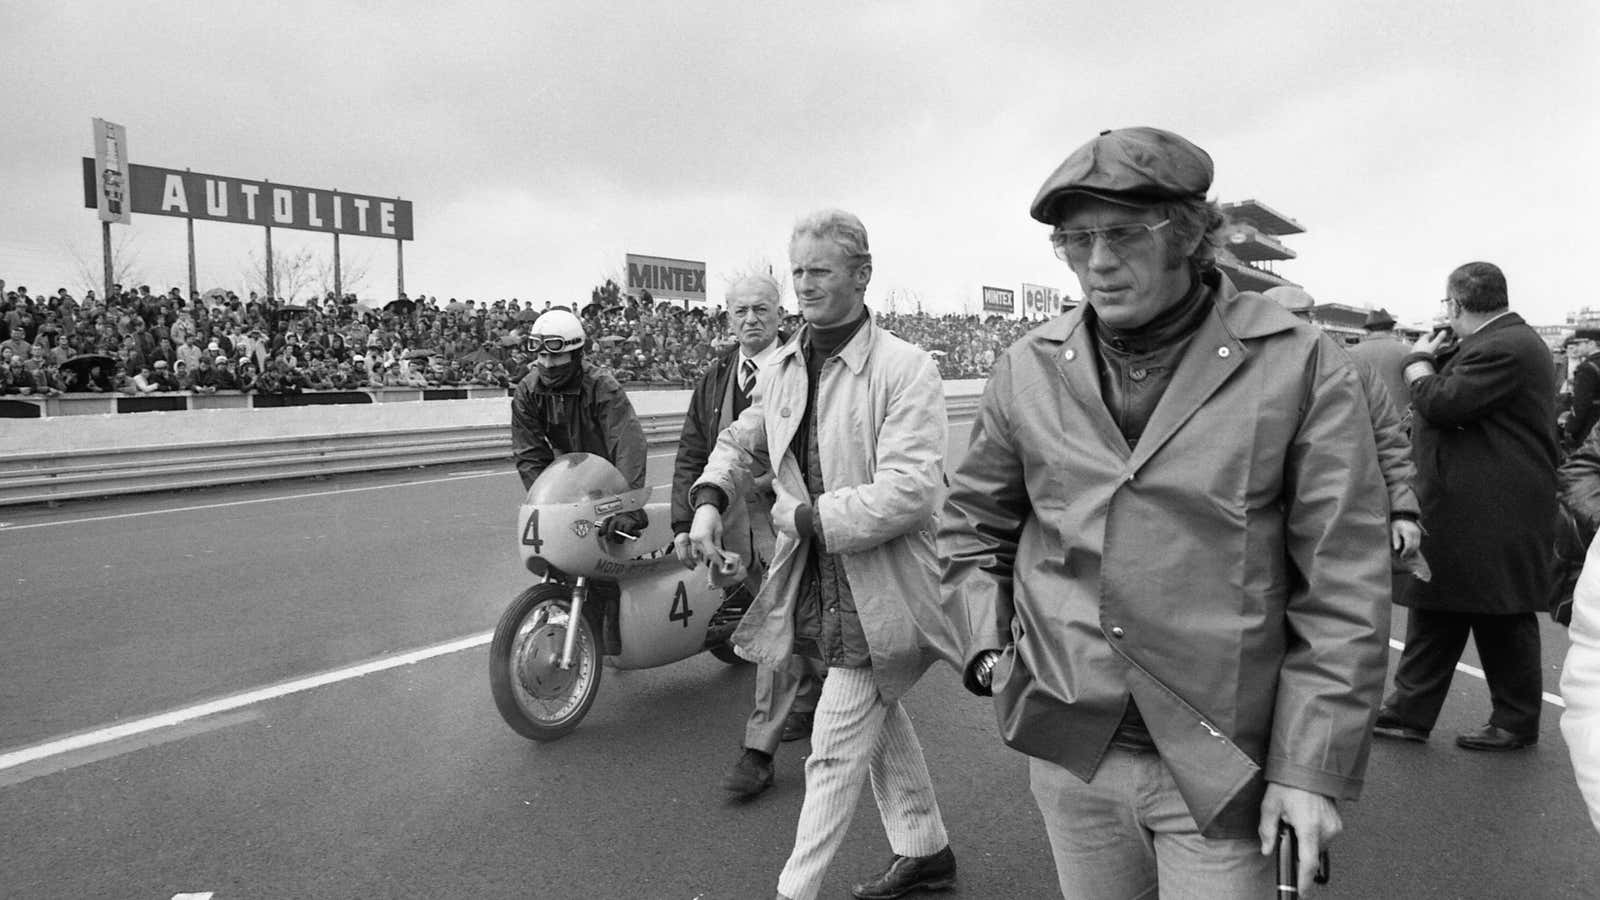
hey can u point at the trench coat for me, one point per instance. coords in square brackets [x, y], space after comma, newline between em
[1230, 574]
[881, 433]
[1484, 439]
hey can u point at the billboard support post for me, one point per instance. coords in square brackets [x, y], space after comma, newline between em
[399, 268]
[194, 284]
[105, 246]
[272, 288]
[338, 286]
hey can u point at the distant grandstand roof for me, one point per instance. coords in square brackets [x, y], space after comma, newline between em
[1262, 217]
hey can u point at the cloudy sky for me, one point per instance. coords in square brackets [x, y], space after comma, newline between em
[539, 142]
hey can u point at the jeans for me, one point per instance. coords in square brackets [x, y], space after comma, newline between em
[1127, 835]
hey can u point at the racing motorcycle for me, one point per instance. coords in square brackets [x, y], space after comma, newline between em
[600, 604]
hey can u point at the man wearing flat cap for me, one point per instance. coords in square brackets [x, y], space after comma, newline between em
[1167, 548]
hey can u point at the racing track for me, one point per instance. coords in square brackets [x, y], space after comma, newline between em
[298, 674]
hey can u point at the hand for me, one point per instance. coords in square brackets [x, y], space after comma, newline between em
[1405, 536]
[1432, 341]
[1314, 818]
[684, 548]
[705, 534]
[626, 526]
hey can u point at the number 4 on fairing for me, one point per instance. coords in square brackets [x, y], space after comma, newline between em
[680, 611]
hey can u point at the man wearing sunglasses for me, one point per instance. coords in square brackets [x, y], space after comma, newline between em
[1169, 542]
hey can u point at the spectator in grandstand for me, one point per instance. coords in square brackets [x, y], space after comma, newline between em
[181, 379]
[204, 378]
[225, 372]
[145, 382]
[16, 378]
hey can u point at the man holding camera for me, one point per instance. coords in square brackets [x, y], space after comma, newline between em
[1484, 394]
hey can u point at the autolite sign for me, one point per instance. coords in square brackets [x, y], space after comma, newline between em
[219, 198]
[666, 279]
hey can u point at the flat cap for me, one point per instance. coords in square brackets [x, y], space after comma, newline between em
[1133, 166]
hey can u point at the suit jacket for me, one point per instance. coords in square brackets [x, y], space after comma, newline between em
[1484, 440]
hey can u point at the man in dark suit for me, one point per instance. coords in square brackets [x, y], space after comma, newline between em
[786, 698]
[1486, 454]
[1585, 386]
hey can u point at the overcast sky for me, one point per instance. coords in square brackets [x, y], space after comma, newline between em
[539, 142]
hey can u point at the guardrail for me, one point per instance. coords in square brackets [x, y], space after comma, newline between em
[70, 474]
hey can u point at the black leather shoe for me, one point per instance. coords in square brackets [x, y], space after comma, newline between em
[1390, 727]
[910, 873]
[1494, 739]
[797, 725]
[751, 775]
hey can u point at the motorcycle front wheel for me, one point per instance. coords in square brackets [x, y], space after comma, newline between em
[537, 698]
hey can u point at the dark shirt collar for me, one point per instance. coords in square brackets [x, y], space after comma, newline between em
[825, 342]
[1174, 324]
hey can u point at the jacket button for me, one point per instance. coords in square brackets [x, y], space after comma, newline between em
[784, 412]
[1223, 352]
[1116, 631]
[1070, 355]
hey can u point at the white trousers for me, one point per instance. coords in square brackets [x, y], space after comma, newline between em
[856, 734]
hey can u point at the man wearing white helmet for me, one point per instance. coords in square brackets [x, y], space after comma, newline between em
[566, 405]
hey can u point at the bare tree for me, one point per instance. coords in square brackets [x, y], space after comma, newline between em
[352, 273]
[89, 267]
[294, 274]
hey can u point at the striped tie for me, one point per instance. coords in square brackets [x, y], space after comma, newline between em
[747, 375]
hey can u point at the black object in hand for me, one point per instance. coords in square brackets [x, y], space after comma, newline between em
[625, 526]
[1289, 863]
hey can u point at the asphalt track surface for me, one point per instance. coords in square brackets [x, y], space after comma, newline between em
[280, 691]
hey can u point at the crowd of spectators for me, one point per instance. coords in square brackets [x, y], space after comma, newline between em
[136, 341]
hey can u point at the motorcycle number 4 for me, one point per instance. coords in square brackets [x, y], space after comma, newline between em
[680, 611]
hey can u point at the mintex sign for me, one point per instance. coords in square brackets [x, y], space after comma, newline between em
[220, 198]
[1000, 300]
[667, 279]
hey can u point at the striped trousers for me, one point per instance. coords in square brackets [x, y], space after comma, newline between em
[856, 735]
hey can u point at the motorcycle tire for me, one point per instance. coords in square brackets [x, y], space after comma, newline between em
[725, 653]
[535, 696]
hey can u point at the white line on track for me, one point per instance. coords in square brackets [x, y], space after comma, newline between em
[233, 701]
[81, 741]
[1475, 672]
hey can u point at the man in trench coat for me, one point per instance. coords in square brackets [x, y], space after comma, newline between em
[1484, 438]
[851, 421]
[1169, 542]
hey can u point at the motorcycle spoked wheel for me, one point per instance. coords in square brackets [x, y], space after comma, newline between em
[536, 697]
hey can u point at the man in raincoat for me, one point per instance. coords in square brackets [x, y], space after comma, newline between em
[851, 422]
[1169, 541]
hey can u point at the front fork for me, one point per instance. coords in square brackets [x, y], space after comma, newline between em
[580, 593]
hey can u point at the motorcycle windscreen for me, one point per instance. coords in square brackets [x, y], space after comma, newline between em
[576, 476]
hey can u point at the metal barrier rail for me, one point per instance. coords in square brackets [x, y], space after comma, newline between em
[72, 475]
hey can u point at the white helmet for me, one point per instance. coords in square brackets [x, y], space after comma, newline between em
[556, 331]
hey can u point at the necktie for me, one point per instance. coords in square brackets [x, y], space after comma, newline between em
[747, 375]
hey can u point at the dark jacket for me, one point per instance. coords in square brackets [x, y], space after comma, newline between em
[699, 434]
[594, 415]
[1484, 440]
[1585, 399]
